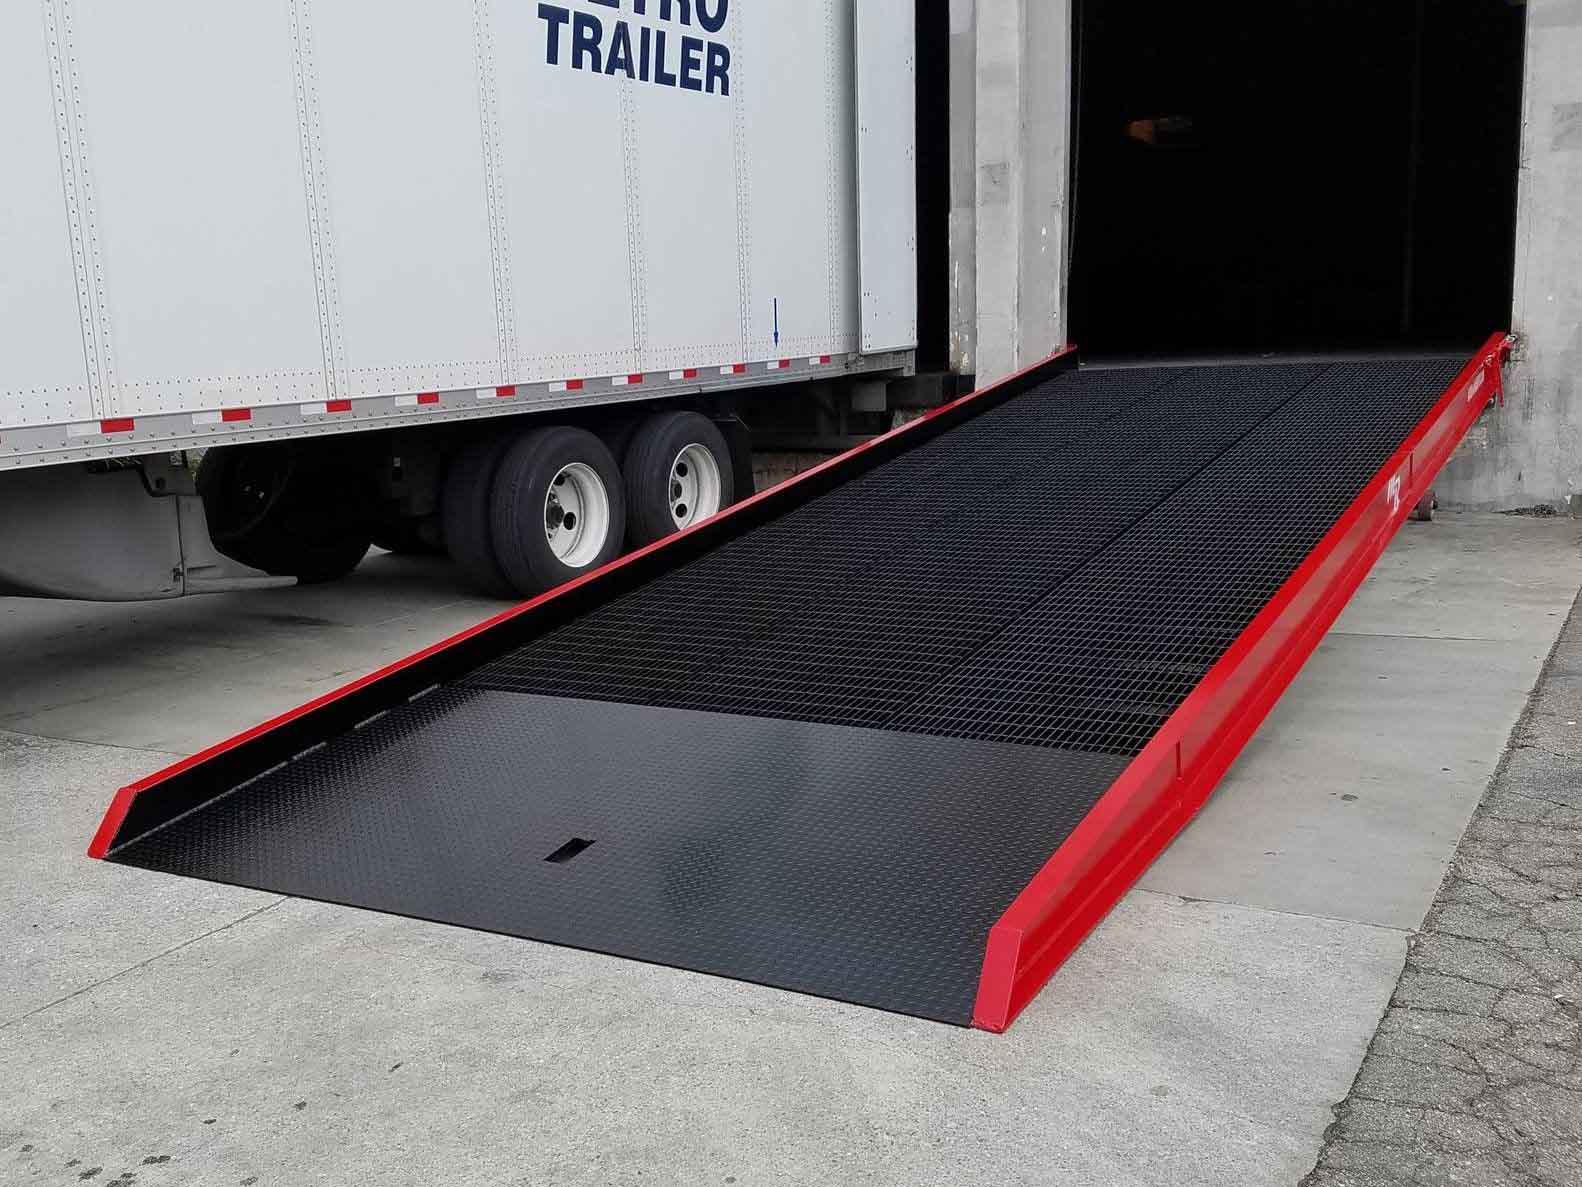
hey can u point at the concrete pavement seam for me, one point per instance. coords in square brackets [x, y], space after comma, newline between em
[132, 968]
[86, 742]
[1266, 910]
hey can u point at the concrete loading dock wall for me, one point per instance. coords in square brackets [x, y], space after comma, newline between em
[1010, 229]
[1533, 454]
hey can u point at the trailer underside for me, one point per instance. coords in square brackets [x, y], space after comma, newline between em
[896, 734]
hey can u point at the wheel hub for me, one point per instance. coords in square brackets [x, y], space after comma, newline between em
[576, 515]
[695, 487]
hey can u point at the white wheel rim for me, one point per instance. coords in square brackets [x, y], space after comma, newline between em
[694, 491]
[576, 515]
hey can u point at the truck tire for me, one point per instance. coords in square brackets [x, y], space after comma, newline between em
[465, 511]
[288, 509]
[240, 488]
[559, 508]
[678, 472]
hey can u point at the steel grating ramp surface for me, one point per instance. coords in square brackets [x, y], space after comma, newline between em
[828, 749]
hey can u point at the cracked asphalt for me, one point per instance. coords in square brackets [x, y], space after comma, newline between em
[1475, 1073]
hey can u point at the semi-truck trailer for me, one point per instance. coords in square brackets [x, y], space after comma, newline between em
[280, 279]
[481, 277]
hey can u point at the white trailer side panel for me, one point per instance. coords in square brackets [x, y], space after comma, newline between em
[565, 197]
[797, 110]
[187, 132]
[681, 148]
[407, 195]
[302, 216]
[887, 173]
[43, 365]
[840, 57]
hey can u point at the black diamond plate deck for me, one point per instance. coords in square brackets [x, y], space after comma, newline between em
[853, 864]
[827, 754]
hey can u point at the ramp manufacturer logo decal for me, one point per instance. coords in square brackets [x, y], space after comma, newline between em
[667, 57]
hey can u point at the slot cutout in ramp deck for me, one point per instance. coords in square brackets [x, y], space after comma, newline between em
[899, 739]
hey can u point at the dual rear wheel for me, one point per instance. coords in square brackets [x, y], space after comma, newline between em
[522, 515]
[678, 473]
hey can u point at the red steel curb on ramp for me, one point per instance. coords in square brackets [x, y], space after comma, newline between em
[1174, 774]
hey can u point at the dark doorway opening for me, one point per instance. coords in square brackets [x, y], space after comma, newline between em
[1317, 175]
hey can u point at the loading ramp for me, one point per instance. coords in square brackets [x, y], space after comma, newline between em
[898, 732]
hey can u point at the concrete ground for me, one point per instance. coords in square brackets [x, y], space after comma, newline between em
[1475, 1074]
[157, 1031]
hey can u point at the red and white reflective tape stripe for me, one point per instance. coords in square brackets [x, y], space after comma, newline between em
[734, 369]
[414, 401]
[102, 428]
[326, 408]
[777, 364]
[819, 360]
[689, 373]
[626, 380]
[225, 416]
[566, 385]
[501, 392]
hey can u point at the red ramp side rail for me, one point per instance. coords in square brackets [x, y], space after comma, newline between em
[1172, 777]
